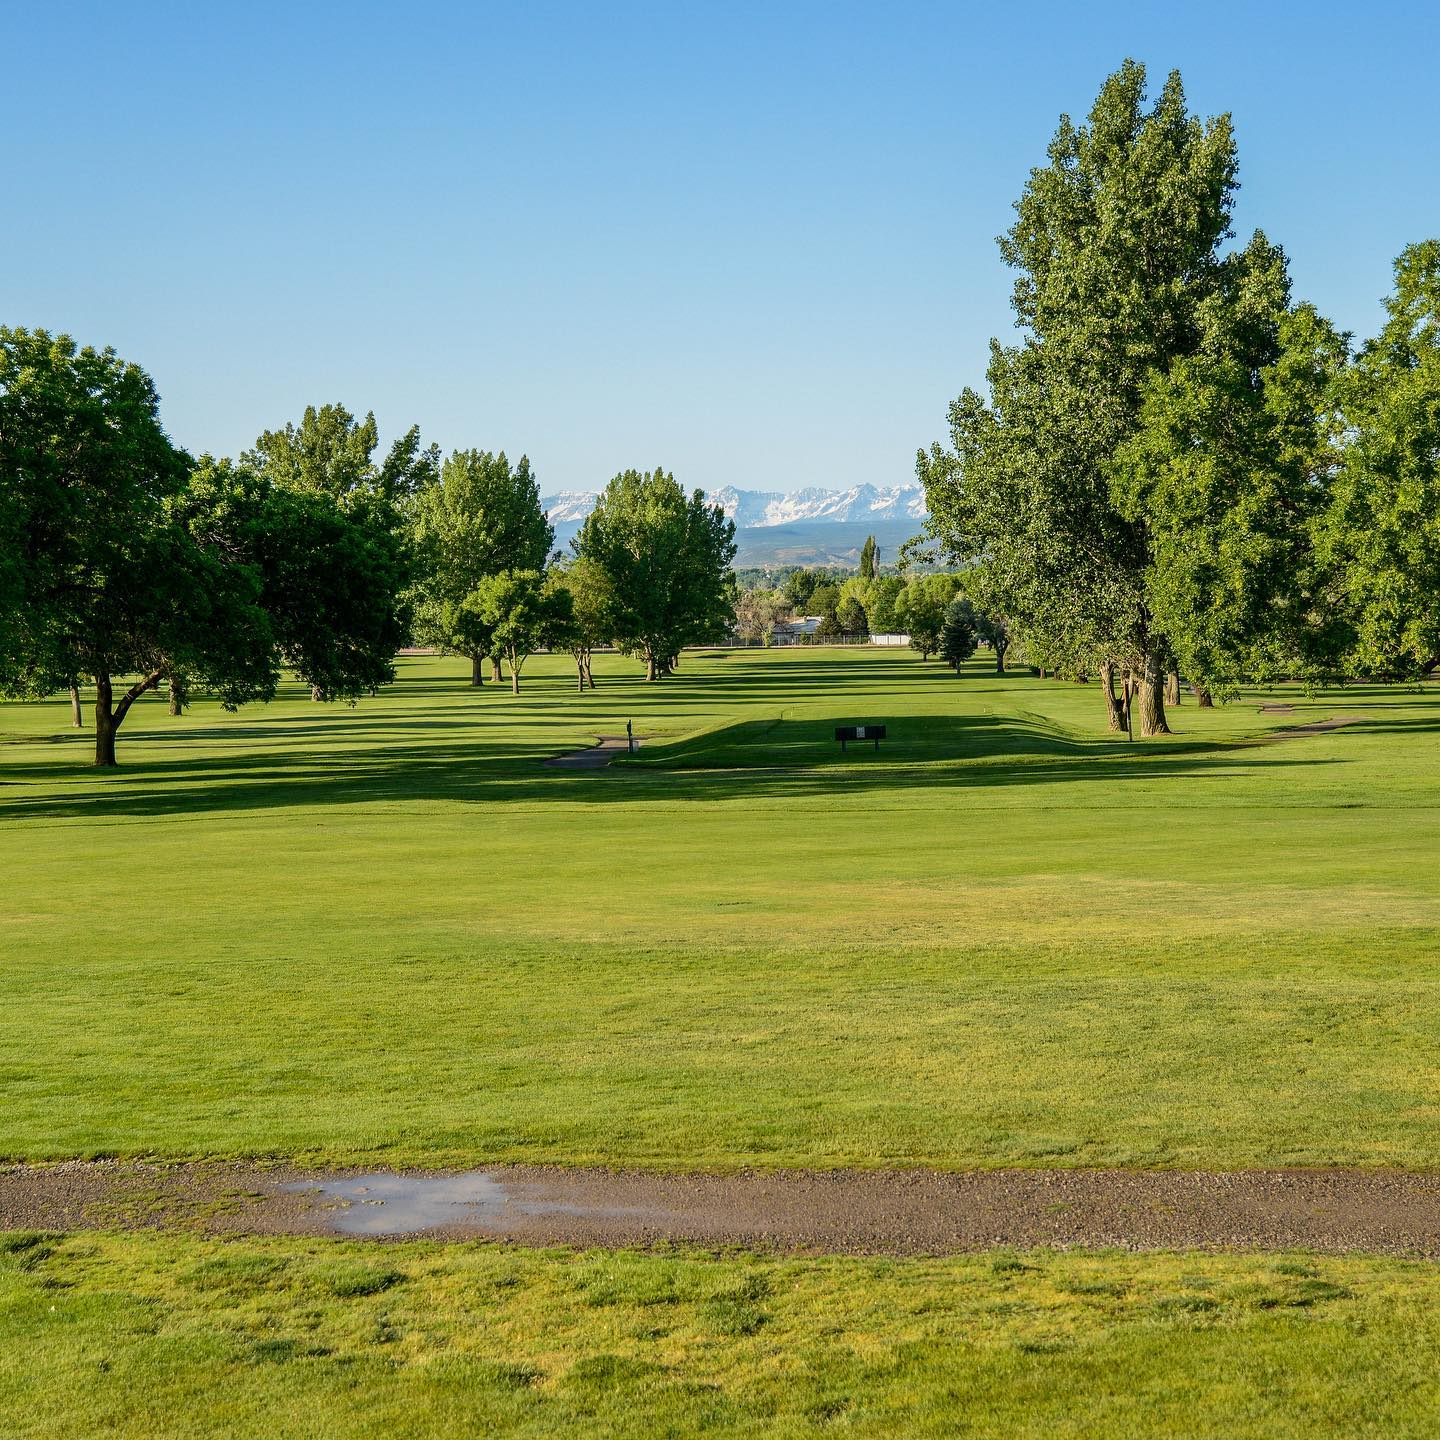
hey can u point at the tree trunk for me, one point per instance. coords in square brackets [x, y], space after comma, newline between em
[104, 724]
[1113, 716]
[1000, 658]
[317, 695]
[651, 672]
[496, 673]
[77, 718]
[477, 669]
[108, 715]
[1203, 698]
[1172, 687]
[179, 695]
[1152, 697]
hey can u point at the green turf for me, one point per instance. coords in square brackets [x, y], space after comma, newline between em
[389, 933]
[134, 1337]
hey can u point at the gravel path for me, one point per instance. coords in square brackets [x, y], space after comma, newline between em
[848, 1212]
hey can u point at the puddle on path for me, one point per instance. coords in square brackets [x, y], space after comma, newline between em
[383, 1204]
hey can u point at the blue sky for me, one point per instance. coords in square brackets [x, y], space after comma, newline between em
[753, 243]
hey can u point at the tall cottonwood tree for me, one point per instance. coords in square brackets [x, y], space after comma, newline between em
[1227, 475]
[1117, 244]
[1381, 537]
[479, 517]
[667, 558]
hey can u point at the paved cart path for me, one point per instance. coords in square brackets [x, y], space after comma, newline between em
[1297, 732]
[597, 756]
[851, 1212]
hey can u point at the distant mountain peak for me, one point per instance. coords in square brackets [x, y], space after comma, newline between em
[761, 509]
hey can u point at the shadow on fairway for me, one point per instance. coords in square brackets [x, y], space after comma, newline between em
[270, 765]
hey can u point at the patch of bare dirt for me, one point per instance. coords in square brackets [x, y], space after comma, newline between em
[846, 1212]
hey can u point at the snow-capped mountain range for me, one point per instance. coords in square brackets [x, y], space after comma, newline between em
[760, 509]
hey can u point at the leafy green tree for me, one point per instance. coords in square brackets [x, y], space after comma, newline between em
[1381, 537]
[1228, 473]
[885, 590]
[1117, 244]
[103, 577]
[480, 516]
[824, 598]
[994, 630]
[332, 577]
[958, 633]
[592, 606]
[868, 562]
[920, 610]
[800, 586]
[829, 627]
[667, 559]
[332, 453]
[851, 615]
[523, 615]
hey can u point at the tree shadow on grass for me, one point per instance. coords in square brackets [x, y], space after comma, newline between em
[790, 760]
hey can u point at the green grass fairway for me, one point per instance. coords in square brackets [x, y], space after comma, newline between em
[132, 1337]
[388, 933]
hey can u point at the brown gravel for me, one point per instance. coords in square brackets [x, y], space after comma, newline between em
[848, 1212]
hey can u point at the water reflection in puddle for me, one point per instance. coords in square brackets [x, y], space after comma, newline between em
[402, 1204]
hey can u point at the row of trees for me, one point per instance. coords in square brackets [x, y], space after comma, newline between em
[862, 604]
[648, 573]
[123, 556]
[1181, 468]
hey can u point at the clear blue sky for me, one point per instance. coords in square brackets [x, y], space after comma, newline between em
[754, 243]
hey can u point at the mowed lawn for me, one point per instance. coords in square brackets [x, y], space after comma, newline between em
[389, 933]
[136, 1336]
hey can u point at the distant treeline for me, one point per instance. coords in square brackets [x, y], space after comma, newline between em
[127, 564]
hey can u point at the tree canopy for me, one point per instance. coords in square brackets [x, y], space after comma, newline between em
[331, 453]
[106, 577]
[1121, 276]
[522, 614]
[479, 517]
[667, 557]
[1381, 536]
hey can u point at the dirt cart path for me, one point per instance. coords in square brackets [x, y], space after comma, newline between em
[854, 1212]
